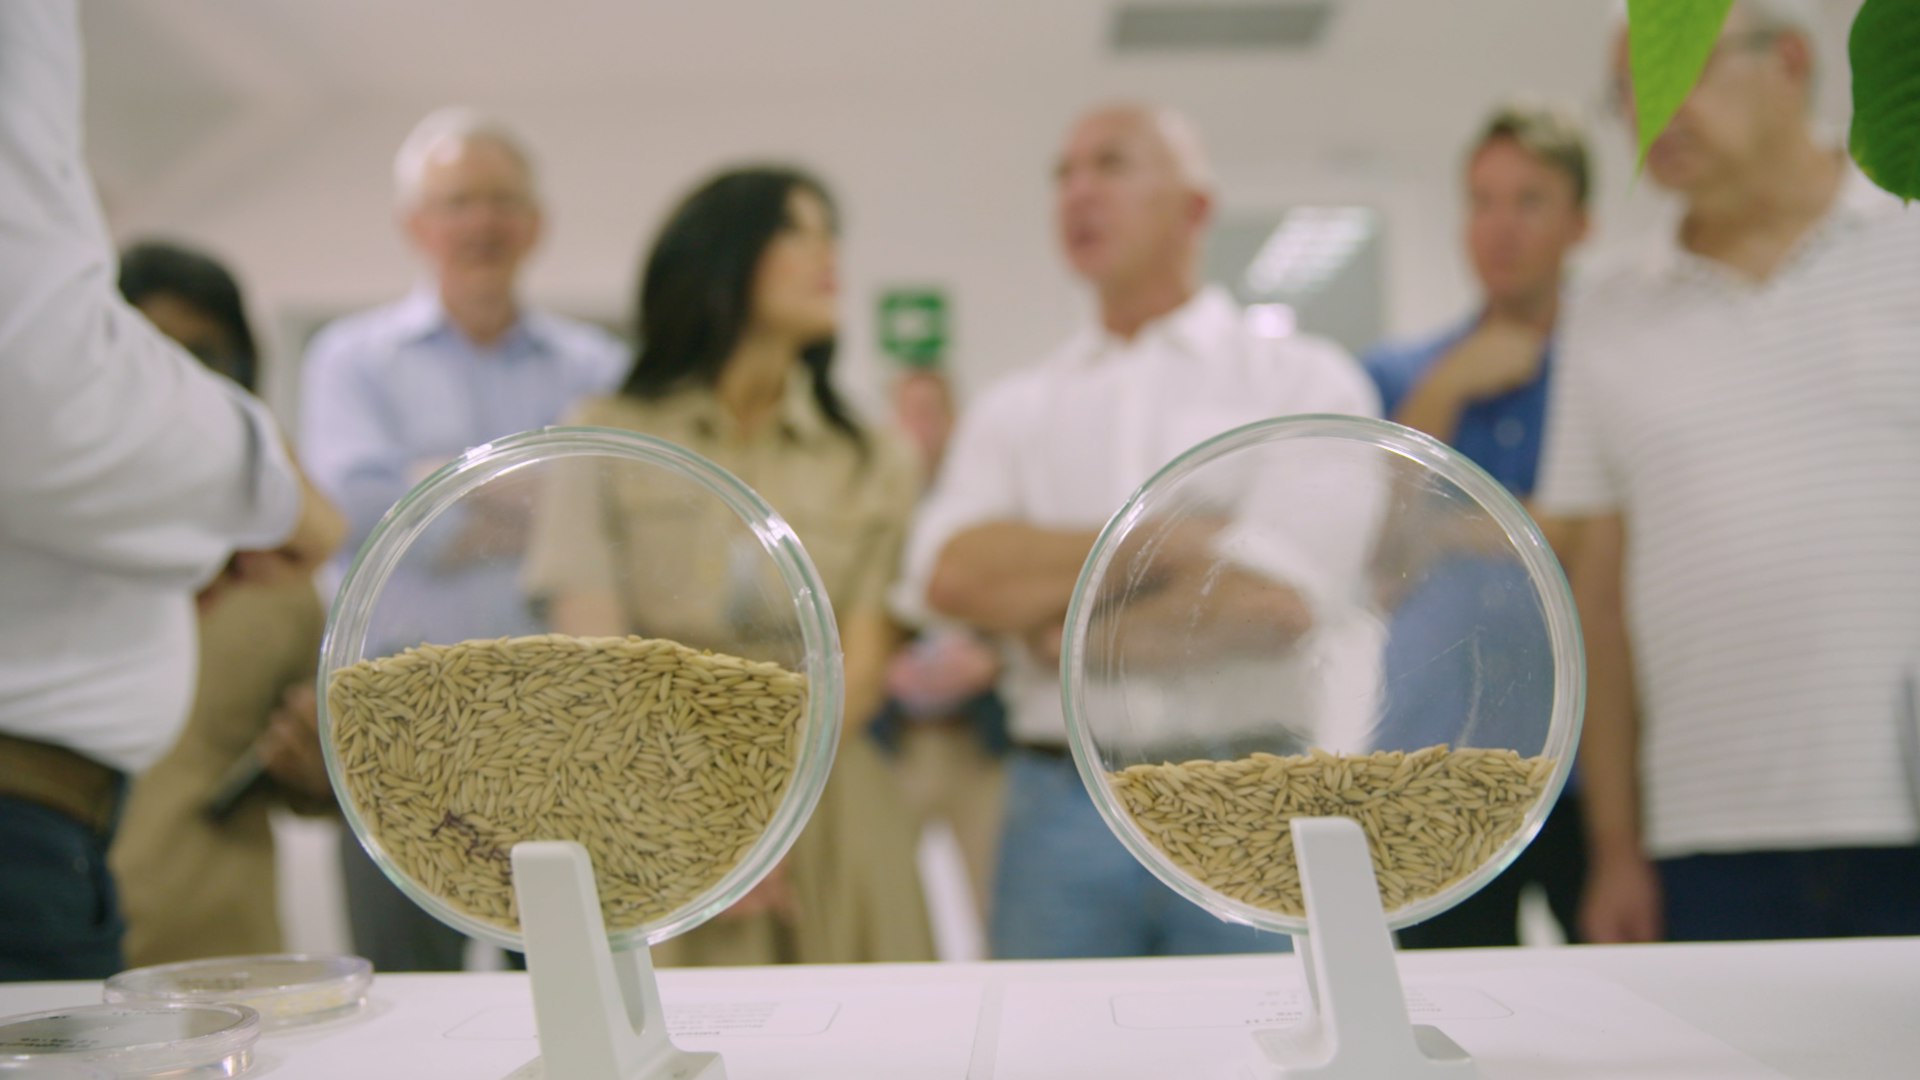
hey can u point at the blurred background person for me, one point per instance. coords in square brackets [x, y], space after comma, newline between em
[1042, 460]
[923, 410]
[737, 313]
[194, 858]
[943, 719]
[132, 476]
[1481, 386]
[391, 394]
[1733, 457]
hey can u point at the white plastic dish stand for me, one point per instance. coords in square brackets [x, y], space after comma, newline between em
[597, 1010]
[1357, 1027]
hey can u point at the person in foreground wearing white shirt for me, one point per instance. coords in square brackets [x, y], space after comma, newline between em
[1047, 455]
[1733, 451]
[132, 475]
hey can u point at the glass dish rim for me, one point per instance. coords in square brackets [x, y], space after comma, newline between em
[1543, 569]
[349, 618]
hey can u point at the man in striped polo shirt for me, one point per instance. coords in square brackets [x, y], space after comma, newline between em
[1733, 457]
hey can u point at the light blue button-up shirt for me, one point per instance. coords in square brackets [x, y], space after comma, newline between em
[389, 394]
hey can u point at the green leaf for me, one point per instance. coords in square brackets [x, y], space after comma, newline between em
[1885, 50]
[1669, 42]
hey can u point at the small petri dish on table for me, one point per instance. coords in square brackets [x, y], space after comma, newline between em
[127, 1041]
[287, 990]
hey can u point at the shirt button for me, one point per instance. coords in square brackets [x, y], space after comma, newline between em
[1509, 432]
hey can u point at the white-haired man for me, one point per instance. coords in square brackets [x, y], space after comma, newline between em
[391, 393]
[1733, 446]
[1047, 455]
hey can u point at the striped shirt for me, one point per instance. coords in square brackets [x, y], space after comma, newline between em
[1762, 443]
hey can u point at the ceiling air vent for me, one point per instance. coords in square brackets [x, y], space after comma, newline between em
[1205, 26]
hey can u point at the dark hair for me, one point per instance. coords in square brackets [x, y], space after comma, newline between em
[1552, 135]
[696, 289]
[151, 268]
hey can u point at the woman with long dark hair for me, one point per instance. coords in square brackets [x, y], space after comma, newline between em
[737, 315]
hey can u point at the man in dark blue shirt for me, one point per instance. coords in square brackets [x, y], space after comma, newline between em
[1481, 386]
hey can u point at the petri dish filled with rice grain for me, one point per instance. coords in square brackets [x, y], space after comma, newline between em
[130, 1042]
[1322, 616]
[580, 634]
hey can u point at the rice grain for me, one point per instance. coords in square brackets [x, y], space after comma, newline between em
[664, 762]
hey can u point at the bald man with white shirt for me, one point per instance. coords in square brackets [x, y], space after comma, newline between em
[1041, 461]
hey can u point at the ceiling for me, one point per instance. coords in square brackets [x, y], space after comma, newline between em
[262, 128]
[185, 93]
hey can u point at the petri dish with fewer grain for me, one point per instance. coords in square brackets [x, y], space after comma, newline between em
[287, 990]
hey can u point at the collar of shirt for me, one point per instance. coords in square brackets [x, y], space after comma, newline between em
[1197, 328]
[421, 316]
[1855, 205]
[799, 421]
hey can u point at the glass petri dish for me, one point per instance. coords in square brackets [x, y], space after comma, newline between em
[179, 1042]
[580, 634]
[287, 990]
[1322, 616]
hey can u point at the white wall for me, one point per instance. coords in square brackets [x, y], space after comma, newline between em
[945, 191]
[947, 195]
[942, 181]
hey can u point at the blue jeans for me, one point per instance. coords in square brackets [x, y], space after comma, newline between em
[1066, 888]
[1762, 895]
[59, 914]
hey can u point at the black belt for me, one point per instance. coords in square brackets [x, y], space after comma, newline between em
[1057, 751]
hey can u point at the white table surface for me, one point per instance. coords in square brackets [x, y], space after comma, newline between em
[1813, 1010]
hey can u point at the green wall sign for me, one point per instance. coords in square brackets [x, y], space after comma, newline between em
[913, 325]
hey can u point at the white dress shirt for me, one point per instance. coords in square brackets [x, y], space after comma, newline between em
[1063, 444]
[128, 472]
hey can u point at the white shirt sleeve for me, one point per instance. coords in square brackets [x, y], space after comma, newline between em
[977, 484]
[117, 449]
[1576, 477]
[1307, 512]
